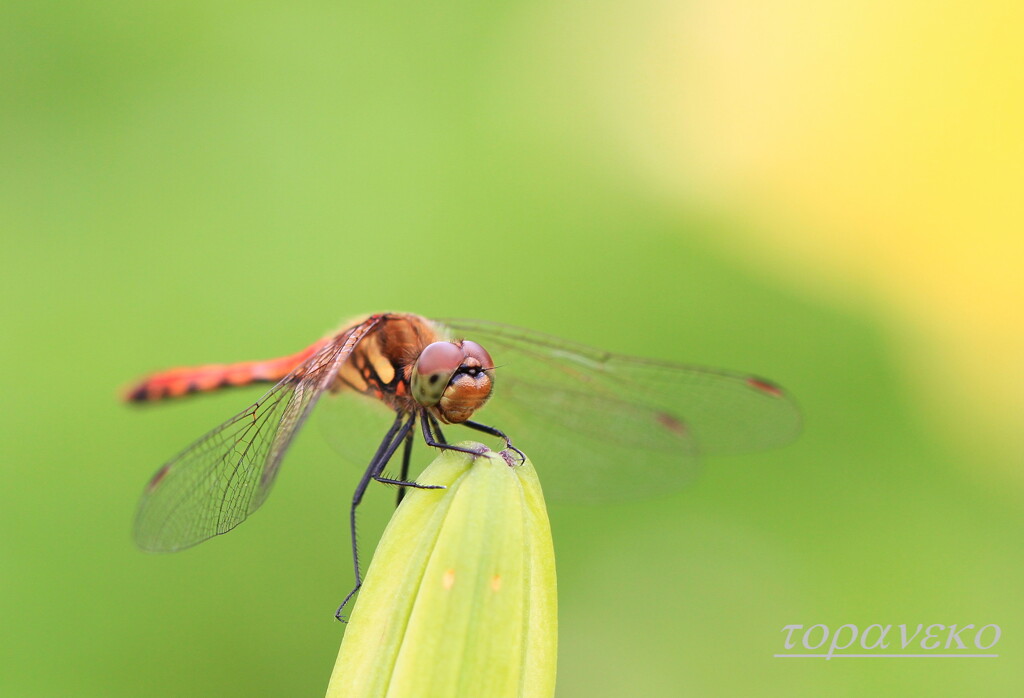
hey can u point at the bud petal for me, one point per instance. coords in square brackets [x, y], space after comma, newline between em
[460, 598]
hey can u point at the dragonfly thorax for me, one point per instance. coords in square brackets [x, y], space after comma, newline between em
[453, 379]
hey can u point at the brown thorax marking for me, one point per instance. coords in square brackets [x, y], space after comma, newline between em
[381, 364]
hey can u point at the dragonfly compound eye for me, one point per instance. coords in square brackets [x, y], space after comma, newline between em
[474, 350]
[470, 386]
[435, 366]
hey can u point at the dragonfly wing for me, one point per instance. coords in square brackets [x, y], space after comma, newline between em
[214, 484]
[623, 426]
[590, 450]
[352, 424]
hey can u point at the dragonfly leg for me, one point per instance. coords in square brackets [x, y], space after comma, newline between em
[404, 480]
[498, 433]
[436, 428]
[396, 434]
[429, 438]
[408, 483]
[406, 457]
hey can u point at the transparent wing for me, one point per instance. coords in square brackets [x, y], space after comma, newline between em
[605, 426]
[214, 484]
[352, 424]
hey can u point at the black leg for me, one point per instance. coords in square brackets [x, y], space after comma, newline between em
[396, 434]
[408, 483]
[406, 457]
[436, 428]
[404, 481]
[429, 438]
[498, 433]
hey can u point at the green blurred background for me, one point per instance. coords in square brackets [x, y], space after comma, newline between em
[828, 196]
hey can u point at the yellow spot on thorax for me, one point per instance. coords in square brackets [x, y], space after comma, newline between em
[496, 582]
[350, 374]
[380, 363]
[449, 579]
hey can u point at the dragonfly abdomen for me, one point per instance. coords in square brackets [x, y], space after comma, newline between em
[177, 382]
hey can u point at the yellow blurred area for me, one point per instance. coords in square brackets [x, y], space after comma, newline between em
[874, 150]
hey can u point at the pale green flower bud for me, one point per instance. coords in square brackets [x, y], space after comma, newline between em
[460, 598]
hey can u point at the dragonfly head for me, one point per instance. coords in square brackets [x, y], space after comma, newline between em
[454, 378]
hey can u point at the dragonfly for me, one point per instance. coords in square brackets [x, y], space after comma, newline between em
[611, 426]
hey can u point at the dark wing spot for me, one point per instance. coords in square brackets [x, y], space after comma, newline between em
[765, 386]
[672, 423]
[160, 475]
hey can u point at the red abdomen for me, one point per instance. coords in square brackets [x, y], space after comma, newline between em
[176, 382]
